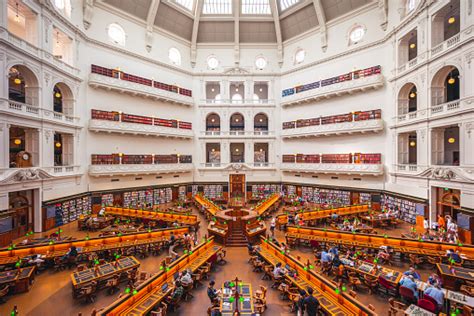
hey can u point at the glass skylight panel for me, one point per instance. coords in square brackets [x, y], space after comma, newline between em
[285, 4]
[217, 7]
[188, 4]
[256, 7]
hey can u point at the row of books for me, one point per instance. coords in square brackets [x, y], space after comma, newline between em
[70, 210]
[340, 118]
[333, 80]
[212, 191]
[357, 158]
[335, 198]
[138, 119]
[116, 159]
[116, 73]
[264, 190]
[406, 208]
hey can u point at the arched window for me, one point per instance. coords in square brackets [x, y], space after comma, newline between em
[237, 122]
[255, 98]
[213, 122]
[260, 122]
[175, 56]
[445, 85]
[356, 34]
[63, 100]
[116, 34]
[236, 98]
[63, 6]
[300, 55]
[218, 98]
[21, 79]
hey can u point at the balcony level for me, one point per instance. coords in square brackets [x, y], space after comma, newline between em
[122, 123]
[255, 166]
[116, 80]
[350, 123]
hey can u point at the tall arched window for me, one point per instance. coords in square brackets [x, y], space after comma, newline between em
[175, 56]
[116, 34]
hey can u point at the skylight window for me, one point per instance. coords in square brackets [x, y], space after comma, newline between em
[217, 7]
[285, 4]
[256, 7]
[188, 4]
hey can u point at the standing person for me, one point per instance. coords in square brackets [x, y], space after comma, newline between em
[311, 303]
[426, 225]
[441, 222]
[212, 293]
[272, 227]
[300, 303]
[171, 251]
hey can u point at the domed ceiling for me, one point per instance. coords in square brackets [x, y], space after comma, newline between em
[221, 21]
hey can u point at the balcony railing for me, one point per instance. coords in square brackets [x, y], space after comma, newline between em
[333, 168]
[133, 169]
[240, 102]
[445, 107]
[409, 168]
[450, 42]
[34, 112]
[238, 134]
[238, 165]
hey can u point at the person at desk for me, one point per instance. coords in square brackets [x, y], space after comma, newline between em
[334, 251]
[186, 279]
[412, 272]
[297, 218]
[325, 257]
[37, 261]
[454, 255]
[436, 293]
[279, 272]
[272, 226]
[212, 293]
[177, 294]
[426, 225]
[311, 303]
[72, 253]
[409, 282]
[102, 212]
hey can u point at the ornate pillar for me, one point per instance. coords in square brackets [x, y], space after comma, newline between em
[47, 148]
[4, 145]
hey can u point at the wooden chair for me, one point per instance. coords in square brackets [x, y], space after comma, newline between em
[371, 283]
[467, 290]
[261, 293]
[187, 292]
[220, 257]
[260, 305]
[132, 277]
[142, 276]
[161, 310]
[433, 260]
[112, 284]
[81, 267]
[59, 264]
[353, 294]
[205, 270]
[268, 272]
[197, 278]
[3, 292]
[396, 307]
[88, 292]
[466, 310]
[354, 280]
[371, 307]
[407, 295]
[415, 260]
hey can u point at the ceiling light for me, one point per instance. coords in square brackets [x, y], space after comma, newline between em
[236, 89]
[451, 140]
[412, 95]
[58, 145]
[213, 120]
[451, 80]
[236, 150]
[412, 143]
[260, 90]
[451, 20]
[261, 149]
[212, 89]
[236, 119]
[17, 141]
[260, 120]
[412, 45]
[17, 81]
[213, 150]
[57, 95]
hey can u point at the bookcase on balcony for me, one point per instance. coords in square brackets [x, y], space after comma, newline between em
[336, 158]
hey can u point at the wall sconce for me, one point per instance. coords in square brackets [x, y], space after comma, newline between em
[412, 95]
[451, 140]
[451, 20]
[58, 145]
[57, 95]
[412, 143]
[17, 141]
[451, 80]
[17, 80]
[412, 45]
[236, 150]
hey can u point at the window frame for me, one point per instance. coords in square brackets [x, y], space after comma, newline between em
[121, 42]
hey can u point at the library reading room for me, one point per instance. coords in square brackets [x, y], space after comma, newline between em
[237, 157]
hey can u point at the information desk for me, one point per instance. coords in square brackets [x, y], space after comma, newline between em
[370, 269]
[244, 302]
[208, 205]
[20, 279]
[93, 244]
[103, 272]
[153, 216]
[255, 229]
[264, 206]
[453, 276]
[153, 291]
[425, 248]
[325, 291]
[219, 231]
[282, 219]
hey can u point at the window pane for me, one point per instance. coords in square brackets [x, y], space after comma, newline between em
[188, 4]
[256, 7]
[285, 4]
[217, 7]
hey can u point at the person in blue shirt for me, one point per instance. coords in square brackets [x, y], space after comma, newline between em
[409, 282]
[436, 293]
[325, 257]
[454, 256]
[334, 251]
[413, 273]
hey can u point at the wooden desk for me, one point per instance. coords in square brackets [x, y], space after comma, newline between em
[414, 310]
[219, 231]
[93, 244]
[253, 230]
[450, 279]
[324, 290]
[150, 293]
[282, 219]
[264, 206]
[370, 269]
[208, 205]
[153, 216]
[104, 271]
[245, 307]
[20, 279]
[424, 248]
[376, 221]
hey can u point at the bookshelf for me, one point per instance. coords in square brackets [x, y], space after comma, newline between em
[334, 198]
[357, 158]
[264, 190]
[367, 158]
[137, 119]
[194, 189]
[365, 198]
[212, 191]
[162, 195]
[182, 192]
[307, 193]
[289, 158]
[291, 190]
[354, 75]
[70, 210]
[336, 158]
[126, 159]
[407, 208]
[95, 69]
[107, 199]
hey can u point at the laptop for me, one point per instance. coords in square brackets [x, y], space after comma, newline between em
[176, 276]
[164, 288]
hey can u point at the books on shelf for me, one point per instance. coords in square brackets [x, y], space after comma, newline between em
[333, 119]
[194, 189]
[334, 198]
[107, 199]
[336, 158]
[182, 192]
[105, 115]
[137, 119]
[357, 158]
[70, 210]
[406, 208]
[212, 191]
[365, 198]
[264, 190]
[162, 195]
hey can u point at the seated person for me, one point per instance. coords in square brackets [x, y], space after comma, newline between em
[334, 251]
[325, 257]
[186, 279]
[384, 253]
[279, 272]
[72, 253]
[409, 282]
[102, 212]
[411, 271]
[436, 293]
[434, 279]
[36, 260]
[212, 293]
[454, 256]
[250, 248]
[177, 292]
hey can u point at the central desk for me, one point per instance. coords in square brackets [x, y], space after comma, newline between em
[20, 279]
[245, 305]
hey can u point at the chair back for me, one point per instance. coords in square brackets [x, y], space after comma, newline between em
[384, 283]
[425, 304]
[406, 293]
[432, 300]
[4, 290]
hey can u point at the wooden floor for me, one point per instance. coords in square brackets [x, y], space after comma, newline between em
[52, 294]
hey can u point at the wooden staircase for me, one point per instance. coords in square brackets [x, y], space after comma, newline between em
[236, 238]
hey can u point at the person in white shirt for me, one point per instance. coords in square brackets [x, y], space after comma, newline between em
[297, 218]
[102, 212]
[272, 226]
[426, 225]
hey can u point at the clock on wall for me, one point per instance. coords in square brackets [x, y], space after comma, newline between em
[23, 159]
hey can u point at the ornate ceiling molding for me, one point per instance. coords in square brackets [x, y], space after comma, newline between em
[23, 175]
